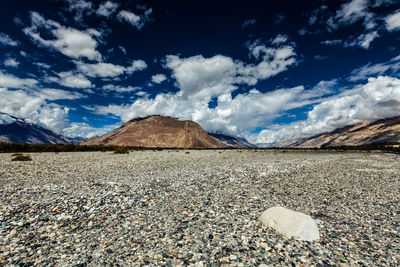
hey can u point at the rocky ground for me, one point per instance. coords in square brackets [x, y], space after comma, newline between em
[198, 208]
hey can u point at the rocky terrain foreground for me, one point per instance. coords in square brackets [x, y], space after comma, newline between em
[200, 208]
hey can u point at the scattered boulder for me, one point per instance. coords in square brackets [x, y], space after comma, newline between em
[20, 157]
[291, 223]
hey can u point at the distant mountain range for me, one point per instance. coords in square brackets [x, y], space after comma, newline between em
[162, 131]
[385, 131]
[153, 131]
[13, 129]
[234, 142]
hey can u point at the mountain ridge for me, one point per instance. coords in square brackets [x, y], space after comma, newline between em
[382, 131]
[233, 142]
[17, 130]
[158, 131]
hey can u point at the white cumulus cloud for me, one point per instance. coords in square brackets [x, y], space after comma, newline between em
[332, 42]
[33, 108]
[80, 7]
[274, 60]
[353, 11]
[377, 99]
[393, 21]
[231, 116]
[129, 17]
[69, 41]
[11, 81]
[6, 40]
[373, 70]
[200, 80]
[34, 104]
[11, 62]
[57, 94]
[120, 89]
[70, 79]
[100, 69]
[84, 130]
[109, 70]
[107, 8]
[364, 40]
[280, 39]
[137, 21]
[158, 78]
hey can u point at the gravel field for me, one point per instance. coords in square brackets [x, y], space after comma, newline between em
[199, 208]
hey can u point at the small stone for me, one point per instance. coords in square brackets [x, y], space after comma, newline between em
[264, 245]
[224, 259]
[12, 233]
[275, 259]
[233, 257]
[263, 174]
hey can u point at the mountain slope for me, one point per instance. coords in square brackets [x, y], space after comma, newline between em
[234, 142]
[13, 129]
[385, 131]
[157, 131]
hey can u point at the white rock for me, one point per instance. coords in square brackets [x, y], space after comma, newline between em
[12, 233]
[290, 223]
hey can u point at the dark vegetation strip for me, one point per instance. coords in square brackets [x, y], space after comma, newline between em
[17, 147]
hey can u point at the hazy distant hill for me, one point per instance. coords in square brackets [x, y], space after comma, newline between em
[385, 131]
[13, 129]
[157, 131]
[231, 141]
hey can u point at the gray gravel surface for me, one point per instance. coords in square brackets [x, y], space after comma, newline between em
[200, 208]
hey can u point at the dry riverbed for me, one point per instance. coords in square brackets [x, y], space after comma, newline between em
[200, 208]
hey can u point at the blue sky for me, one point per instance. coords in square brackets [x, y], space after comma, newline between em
[264, 71]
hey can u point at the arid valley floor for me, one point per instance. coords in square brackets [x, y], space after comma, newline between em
[197, 207]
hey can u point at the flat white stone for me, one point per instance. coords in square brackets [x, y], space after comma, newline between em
[290, 223]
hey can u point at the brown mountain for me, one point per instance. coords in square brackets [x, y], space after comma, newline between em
[385, 131]
[157, 131]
